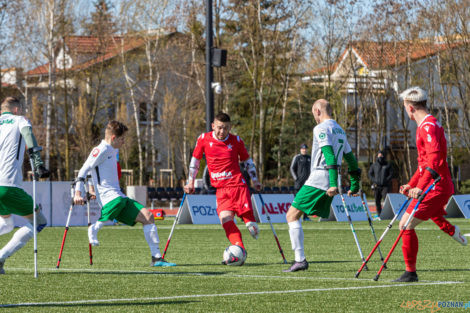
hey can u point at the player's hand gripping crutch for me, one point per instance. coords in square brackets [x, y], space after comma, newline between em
[390, 225]
[268, 217]
[178, 214]
[88, 197]
[421, 197]
[72, 191]
[31, 151]
[350, 221]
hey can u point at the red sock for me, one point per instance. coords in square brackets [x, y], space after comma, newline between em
[410, 249]
[444, 225]
[233, 233]
[248, 217]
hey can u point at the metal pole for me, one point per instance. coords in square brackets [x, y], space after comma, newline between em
[209, 69]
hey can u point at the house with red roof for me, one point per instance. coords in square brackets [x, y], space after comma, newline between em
[107, 73]
[370, 75]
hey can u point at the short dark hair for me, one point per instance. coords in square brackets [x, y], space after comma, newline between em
[116, 128]
[9, 102]
[222, 117]
[420, 104]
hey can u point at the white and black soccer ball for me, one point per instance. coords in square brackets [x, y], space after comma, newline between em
[234, 255]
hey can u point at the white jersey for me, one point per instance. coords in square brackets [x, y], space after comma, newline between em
[12, 146]
[102, 164]
[328, 133]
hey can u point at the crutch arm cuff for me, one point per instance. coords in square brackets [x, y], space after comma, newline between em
[434, 174]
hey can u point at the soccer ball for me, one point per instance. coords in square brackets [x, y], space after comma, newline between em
[234, 255]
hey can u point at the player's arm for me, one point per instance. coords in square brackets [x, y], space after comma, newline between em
[251, 170]
[248, 164]
[354, 173]
[193, 170]
[94, 159]
[31, 143]
[332, 166]
[434, 159]
[293, 168]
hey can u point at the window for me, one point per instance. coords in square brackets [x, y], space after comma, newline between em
[144, 116]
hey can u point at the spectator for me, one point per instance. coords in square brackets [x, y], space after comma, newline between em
[300, 170]
[380, 174]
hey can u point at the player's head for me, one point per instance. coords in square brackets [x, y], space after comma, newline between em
[115, 133]
[221, 125]
[12, 104]
[414, 99]
[321, 110]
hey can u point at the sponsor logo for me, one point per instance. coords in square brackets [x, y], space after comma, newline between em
[95, 152]
[429, 138]
[351, 208]
[204, 210]
[426, 128]
[210, 144]
[338, 131]
[280, 208]
[221, 175]
[10, 121]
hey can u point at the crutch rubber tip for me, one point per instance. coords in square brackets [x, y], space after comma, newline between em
[285, 262]
[366, 268]
[376, 278]
[357, 275]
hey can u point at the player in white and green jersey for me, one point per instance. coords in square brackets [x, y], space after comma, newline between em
[15, 134]
[102, 164]
[330, 145]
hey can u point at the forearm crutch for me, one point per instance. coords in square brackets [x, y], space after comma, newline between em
[421, 197]
[350, 222]
[88, 197]
[268, 217]
[178, 214]
[369, 219]
[35, 223]
[390, 225]
[66, 225]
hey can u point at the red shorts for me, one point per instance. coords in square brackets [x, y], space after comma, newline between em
[236, 199]
[432, 205]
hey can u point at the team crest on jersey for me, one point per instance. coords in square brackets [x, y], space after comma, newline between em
[95, 152]
[429, 138]
[322, 136]
[229, 146]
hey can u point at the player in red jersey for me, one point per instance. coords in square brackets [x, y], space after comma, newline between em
[223, 153]
[432, 162]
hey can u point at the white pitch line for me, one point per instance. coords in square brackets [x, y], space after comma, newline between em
[81, 302]
[215, 275]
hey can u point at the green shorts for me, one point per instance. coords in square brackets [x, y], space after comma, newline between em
[313, 201]
[125, 210]
[14, 200]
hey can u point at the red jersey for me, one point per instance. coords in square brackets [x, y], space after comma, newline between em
[432, 152]
[222, 157]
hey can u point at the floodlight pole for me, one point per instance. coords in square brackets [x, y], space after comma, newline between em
[209, 69]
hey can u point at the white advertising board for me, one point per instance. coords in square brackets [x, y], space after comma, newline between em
[354, 206]
[199, 209]
[459, 206]
[392, 205]
[276, 205]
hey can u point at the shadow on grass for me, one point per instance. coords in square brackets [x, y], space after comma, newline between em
[71, 305]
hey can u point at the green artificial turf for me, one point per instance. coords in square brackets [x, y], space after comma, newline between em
[121, 280]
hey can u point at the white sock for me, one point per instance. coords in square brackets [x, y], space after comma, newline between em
[19, 239]
[6, 225]
[151, 235]
[97, 226]
[296, 234]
